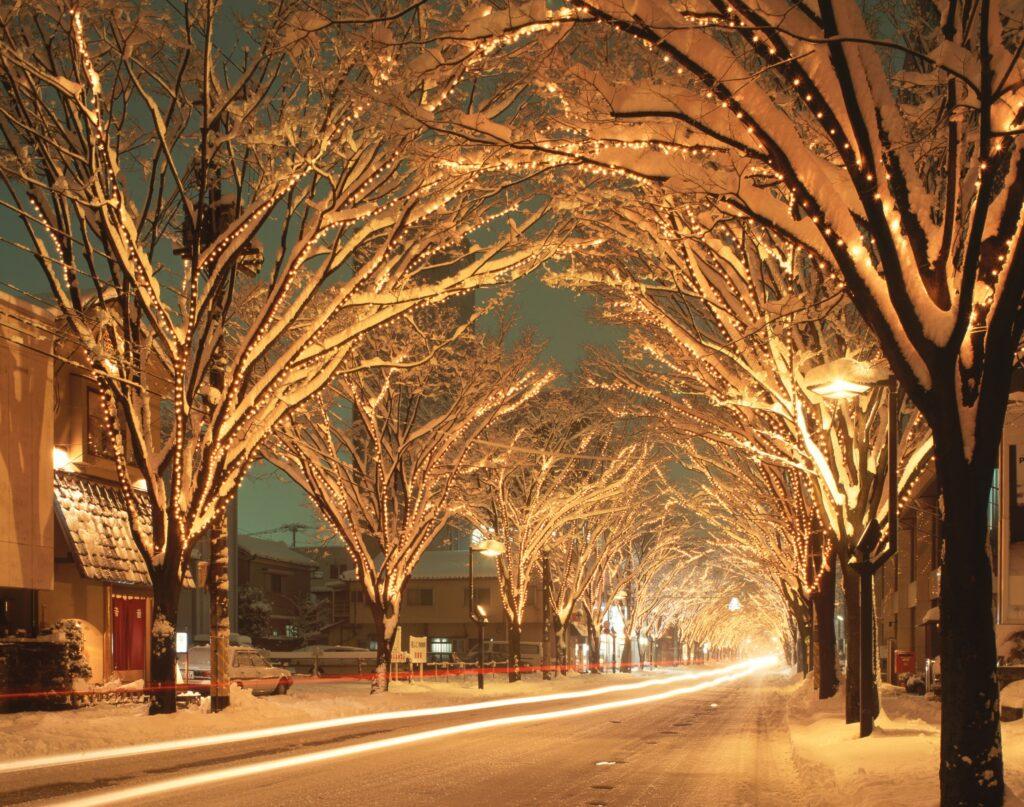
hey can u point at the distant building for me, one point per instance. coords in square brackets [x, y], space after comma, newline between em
[907, 587]
[329, 587]
[436, 605]
[283, 575]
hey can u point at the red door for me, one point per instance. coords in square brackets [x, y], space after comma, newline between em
[129, 620]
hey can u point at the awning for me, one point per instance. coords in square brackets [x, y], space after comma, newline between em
[931, 616]
[93, 515]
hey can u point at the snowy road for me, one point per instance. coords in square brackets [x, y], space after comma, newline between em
[722, 745]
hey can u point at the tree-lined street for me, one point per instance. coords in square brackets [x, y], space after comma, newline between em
[338, 251]
[722, 743]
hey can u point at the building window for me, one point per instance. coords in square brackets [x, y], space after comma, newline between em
[357, 595]
[420, 596]
[440, 649]
[276, 583]
[336, 571]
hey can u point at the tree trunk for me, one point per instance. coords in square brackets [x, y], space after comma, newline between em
[515, 640]
[162, 660]
[626, 664]
[971, 768]
[546, 619]
[851, 628]
[562, 638]
[824, 611]
[385, 619]
[218, 584]
[593, 644]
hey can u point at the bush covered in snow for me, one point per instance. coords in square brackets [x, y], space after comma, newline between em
[50, 663]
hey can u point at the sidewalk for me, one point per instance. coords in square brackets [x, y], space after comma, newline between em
[898, 764]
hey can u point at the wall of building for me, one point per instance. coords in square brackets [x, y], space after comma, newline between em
[294, 587]
[73, 597]
[447, 617]
[26, 446]
[907, 587]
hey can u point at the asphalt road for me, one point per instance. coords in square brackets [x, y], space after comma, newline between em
[719, 746]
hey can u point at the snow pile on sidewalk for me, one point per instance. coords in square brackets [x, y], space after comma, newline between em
[897, 764]
[30, 734]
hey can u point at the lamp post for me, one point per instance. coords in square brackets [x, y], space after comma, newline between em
[868, 558]
[489, 548]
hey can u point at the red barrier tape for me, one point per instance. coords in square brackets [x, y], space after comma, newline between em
[153, 689]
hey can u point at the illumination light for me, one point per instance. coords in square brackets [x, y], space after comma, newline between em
[841, 389]
[61, 459]
[490, 548]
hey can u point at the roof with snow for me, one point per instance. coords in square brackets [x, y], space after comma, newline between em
[93, 516]
[444, 564]
[273, 550]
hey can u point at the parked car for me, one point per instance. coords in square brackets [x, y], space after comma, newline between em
[247, 667]
[530, 654]
[327, 659]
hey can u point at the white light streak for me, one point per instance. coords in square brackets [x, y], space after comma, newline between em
[257, 768]
[79, 757]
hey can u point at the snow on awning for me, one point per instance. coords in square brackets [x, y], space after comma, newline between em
[93, 515]
[932, 615]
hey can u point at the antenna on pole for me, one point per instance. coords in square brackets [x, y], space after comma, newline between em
[294, 529]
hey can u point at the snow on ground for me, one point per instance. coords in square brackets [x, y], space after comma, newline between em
[30, 734]
[898, 764]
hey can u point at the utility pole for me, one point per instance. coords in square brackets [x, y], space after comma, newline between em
[546, 617]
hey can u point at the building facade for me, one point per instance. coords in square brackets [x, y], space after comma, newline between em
[284, 577]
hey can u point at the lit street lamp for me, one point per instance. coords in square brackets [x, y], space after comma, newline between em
[867, 561]
[489, 548]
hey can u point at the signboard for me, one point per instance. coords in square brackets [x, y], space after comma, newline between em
[180, 642]
[418, 649]
[903, 662]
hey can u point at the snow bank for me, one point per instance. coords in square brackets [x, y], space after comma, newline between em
[897, 764]
[107, 725]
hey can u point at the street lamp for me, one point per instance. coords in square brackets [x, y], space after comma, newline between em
[489, 548]
[867, 562]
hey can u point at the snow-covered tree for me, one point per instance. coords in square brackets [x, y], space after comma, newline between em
[253, 612]
[562, 463]
[386, 471]
[890, 152]
[150, 155]
[731, 333]
[581, 555]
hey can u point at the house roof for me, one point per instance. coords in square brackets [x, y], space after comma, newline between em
[445, 564]
[93, 515]
[273, 550]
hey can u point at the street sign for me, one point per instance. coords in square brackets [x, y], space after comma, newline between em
[418, 649]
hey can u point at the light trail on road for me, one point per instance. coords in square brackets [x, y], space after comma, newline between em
[221, 775]
[79, 757]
